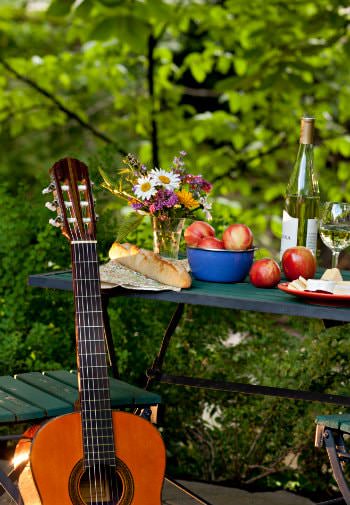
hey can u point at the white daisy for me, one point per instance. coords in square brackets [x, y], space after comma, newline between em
[145, 188]
[168, 180]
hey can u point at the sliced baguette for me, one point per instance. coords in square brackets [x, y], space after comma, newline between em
[150, 264]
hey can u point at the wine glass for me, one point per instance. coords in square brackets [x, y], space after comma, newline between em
[335, 227]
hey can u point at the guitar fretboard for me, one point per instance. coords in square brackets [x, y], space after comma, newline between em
[97, 428]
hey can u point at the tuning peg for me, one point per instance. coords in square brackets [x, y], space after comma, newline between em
[49, 188]
[52, 205]
[57, 222]
[81, 187]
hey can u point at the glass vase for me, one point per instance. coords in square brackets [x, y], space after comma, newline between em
[166, 236]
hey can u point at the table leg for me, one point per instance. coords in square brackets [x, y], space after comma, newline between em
[108, 337]
[156, 368]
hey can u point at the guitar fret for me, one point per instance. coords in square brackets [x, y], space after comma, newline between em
[106, 428]
[86, 261]
[95, 353]
[87, 311]
[88, 296]
[110, 457]
[108, 460]
[85, 280]
[101, 446]
[95, 400]
[97, 389]
[99, 419]
[93, 450]
[97, 366]
[90, 326]
[92, 340]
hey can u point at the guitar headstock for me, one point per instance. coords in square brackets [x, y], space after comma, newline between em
[73, 200]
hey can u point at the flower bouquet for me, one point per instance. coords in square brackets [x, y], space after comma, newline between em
[168, 196]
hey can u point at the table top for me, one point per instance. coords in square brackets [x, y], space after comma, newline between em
[241, 296]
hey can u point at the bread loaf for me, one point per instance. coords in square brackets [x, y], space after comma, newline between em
[150, 264]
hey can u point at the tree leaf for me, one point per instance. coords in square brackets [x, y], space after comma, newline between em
[60, 7]
[127, 224]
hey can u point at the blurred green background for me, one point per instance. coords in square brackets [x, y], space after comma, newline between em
[226, 81]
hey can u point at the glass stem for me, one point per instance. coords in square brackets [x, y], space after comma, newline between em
[335, 257]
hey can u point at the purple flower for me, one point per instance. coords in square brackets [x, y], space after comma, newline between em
[183, 153]
[165, 198]
[137, 205]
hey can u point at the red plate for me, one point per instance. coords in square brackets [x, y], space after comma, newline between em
[316, 297]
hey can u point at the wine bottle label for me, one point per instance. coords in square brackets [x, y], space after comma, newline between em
[311, 237]
[289, 232]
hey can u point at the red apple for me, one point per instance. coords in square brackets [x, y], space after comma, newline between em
[265, 273]
[211, 243]
[237, 237]
[297, 261]
[196, 231]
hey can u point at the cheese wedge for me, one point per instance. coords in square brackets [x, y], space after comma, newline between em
[299, 284]
[332, 274]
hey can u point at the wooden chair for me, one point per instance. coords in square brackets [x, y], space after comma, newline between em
[330, 431]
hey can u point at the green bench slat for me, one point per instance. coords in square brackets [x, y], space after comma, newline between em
[57, 390]
[36, 397]
[122, 393]
[336, 422]
[16, 409]
[139, 396]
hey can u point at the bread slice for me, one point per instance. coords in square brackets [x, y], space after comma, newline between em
[332, 274]
[150, 264]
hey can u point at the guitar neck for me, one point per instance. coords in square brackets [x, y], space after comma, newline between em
[94, 391]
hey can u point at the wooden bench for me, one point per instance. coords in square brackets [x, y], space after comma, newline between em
[34, 395]
[330, 431]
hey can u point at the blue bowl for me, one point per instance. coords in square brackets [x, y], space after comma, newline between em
[220, 265]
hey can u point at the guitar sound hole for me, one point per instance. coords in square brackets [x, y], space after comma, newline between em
[101, 485]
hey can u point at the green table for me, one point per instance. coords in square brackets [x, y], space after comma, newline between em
[242, 296]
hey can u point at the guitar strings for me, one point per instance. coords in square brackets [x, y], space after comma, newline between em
[96, 372]
[100, 365]
[106, 430]
[89, 380]
[79, 309]
[86, 370]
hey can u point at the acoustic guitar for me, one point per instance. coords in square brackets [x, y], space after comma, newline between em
[93, 456]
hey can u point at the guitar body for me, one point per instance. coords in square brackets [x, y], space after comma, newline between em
[55, 475]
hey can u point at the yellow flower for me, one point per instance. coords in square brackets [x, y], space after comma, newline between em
[186, 199]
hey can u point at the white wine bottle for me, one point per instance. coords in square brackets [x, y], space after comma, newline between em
[302, 198]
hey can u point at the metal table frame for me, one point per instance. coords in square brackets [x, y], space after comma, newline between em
[241, 296]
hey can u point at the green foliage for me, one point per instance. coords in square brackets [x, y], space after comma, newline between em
[99, 78]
